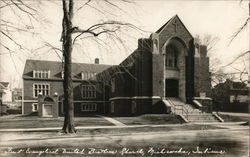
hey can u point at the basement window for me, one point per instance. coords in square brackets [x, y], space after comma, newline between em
[87, 107]
[34, 107]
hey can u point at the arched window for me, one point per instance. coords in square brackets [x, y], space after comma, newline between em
[171, 57]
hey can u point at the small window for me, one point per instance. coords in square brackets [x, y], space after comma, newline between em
[113, 84]
[62, 74]
[85, 75]
[88, 107]
[112, 107]
[133, 107]
[41, 74]
[88, 91]
[44, 89]
[34, 107]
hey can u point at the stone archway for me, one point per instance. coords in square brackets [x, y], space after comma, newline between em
[175, 53]
[48, 106]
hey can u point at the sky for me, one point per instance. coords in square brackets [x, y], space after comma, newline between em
[220, 19]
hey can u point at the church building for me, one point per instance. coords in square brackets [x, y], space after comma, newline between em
[168, 64]
[166, 68]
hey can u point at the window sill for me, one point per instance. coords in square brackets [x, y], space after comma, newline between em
[172, 68]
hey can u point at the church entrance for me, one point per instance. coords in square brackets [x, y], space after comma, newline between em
[171, 88]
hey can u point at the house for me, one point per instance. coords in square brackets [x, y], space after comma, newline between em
[167, 67]
[231, 96]
[5, 92]
[5, 96]
[16, 94]
[46, 78]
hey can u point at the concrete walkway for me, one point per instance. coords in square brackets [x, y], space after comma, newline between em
[114, 127]
[112, 120]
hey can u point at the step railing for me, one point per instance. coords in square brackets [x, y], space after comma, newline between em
[186, 110]
[178, 107]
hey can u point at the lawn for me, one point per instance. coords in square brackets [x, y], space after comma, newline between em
[145, 129]
[230, 118]
[11, 122]
[148, 119]
[131, 138]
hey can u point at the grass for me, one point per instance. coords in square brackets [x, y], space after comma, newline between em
[145, 129]
[230, 118]
[12, 122]
[148, 119]
[33, 121]
[222, 141]
[54, 134]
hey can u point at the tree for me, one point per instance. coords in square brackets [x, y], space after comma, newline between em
[217, 73]
[18, 10]
[243, 73]
[67, 39]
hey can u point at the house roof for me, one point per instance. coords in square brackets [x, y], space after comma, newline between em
[57, 67]
[4, 85]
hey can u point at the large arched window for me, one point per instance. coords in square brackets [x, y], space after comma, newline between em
[171, 57]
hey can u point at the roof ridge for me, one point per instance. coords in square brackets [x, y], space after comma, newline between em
[35, 60]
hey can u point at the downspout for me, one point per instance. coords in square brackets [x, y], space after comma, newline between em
[23, 98]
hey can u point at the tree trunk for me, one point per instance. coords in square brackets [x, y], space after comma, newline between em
[68, 126]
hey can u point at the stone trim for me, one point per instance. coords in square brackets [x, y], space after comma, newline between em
[136, 97]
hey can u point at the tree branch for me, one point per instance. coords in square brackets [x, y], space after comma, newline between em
[239, 30]
[20, 46]
[17, 5]
[86, 3]
[241, 55]
[103, 26]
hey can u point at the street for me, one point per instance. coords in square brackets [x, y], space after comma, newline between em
[232, 142]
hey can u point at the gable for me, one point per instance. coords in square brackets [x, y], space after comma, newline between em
[4, 85]
[173, 28]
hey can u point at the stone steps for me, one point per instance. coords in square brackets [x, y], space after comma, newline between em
[189, 112]
[206, 117]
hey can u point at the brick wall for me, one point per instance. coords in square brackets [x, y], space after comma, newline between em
[202, 75]
[57, 86]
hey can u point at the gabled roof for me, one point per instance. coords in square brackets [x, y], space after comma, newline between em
[124, 66]
[56, 68]
[162, 27]
[170, 21]
[4, 85]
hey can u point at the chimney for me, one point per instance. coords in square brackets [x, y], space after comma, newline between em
[97, 61]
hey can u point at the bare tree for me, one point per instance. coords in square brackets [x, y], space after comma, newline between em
[245, 71]
[71, 33]
[217, 73]
[24, 12]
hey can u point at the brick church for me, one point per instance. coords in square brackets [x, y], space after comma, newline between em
[166, 65]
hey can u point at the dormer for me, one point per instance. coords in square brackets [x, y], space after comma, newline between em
[62, 74]
[41, 74]
[86, 75]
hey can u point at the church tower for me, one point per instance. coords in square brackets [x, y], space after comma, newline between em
[173, 61]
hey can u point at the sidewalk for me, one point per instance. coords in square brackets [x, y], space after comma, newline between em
[115, 127]
[112, 120]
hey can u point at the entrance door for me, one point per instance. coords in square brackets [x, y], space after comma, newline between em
[47, 110]
[171, 88]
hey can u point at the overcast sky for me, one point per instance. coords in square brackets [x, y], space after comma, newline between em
[219, 19]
